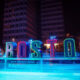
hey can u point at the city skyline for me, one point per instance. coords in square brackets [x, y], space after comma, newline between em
[68, 13]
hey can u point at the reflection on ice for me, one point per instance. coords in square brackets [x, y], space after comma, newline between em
[38, 76]
[40, 69]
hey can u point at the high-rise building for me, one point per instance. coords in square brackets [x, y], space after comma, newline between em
[22, 20]
[52, 21]
[1, 20]
[19, 20]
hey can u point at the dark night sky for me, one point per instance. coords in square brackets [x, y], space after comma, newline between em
[72, 16]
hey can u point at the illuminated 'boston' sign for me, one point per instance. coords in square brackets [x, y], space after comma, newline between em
[24, 48]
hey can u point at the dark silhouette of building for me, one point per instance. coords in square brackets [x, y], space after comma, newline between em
[33, 19]
[1, 20]
[52, 19]
[19, 20]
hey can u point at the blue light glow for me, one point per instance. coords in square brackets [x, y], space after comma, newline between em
[52, 37]
[38, 76]
[40, 70]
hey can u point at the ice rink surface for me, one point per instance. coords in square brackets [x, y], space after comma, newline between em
[40, 72]
[5, 75]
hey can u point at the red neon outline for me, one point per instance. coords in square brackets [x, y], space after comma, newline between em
[21, 42]
[53, 41]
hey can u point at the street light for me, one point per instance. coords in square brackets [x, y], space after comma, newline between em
[13, 39]
[47, 46]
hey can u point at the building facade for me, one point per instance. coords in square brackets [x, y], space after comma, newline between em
[52, 21]
[27, 19]
[1, 21]
[19, 20]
